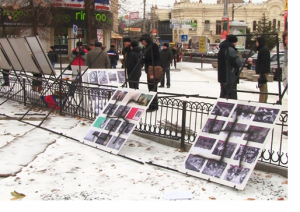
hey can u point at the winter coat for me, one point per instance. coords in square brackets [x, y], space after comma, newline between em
[53, 56]
[166, 57]
[263, 58]
[133, 59]
[80, 57]
[113, 56]
[228, 66]
[102, 60]
[148, 55]
[126, 51]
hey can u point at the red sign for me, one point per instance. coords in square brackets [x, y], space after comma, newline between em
[154, 31]
[134, 15]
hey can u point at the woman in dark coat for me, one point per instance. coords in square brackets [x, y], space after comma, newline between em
[134, 71]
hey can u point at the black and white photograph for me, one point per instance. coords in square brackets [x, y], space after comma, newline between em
[194, 162]
[102, 77]
[121, 76]
[122, 111]
[214, 169]
[256, 134]
[132, 97]
[116, 143]
[93, 77]
[144, 99]
[266, 115]
[112, 76]
[204, 144]
[213, 126]
[119, 95]
[92, 135]
[110, 109]
[236, 174]
[113, 125]
[220, 147]
[126, 128]
[250, 154]
[222, 109]
[103, 139]
[236, 132]
[243, 112]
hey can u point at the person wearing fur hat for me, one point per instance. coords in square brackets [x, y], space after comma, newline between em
[151, 58]
[134, 65]
[262, 66]
[228, 67]
[166, 57]
[125, 51]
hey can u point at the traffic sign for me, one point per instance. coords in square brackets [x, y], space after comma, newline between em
[75, 29]
[184, 38]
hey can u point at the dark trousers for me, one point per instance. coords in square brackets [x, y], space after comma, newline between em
[226, 88]
[134, 85]
[154, 103]
[166, 72]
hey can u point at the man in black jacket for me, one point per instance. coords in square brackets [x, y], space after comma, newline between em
[113, 56]
[262, 66]
[134, 66]
[52, 56]
[166, 57]
[126, 51]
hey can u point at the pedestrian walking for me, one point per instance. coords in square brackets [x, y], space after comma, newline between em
[228, 67]
[97, 58]
[113, 56]
[134, 69]
[52, 56]
[166, 57]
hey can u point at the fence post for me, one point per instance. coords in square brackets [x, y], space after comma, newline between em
[183, 126]
[24, 92]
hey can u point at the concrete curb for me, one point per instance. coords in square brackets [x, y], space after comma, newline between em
[176, 144]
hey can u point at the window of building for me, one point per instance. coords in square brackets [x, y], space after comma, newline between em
[206, 25]
[278, 26]
[254, 25]
[274, 24]
[218, 27]
[259, 24]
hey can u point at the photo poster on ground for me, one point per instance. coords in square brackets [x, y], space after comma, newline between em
[117, 120]
[249, 125]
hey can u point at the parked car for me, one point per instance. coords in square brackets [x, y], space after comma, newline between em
[274, 67]
[187, 52]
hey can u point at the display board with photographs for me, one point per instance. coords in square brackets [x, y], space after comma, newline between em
[106, 76]
[231, 142]
[117, 120]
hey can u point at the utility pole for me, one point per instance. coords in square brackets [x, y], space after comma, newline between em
[232, 12]
[144, 18]
[225, 22]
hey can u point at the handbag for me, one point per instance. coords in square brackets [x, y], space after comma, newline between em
[156, 74]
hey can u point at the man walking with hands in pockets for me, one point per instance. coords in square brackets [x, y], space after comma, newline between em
[166, 56]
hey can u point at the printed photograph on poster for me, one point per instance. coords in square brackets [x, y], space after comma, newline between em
[132, 96]
[110, 109]
[204, 144]
[214, 169]
[237, 127]
[236, 174]
[113, 125]
[144, 99]
[102, 77]
[256, 134]
[214, 125]
[116, 143]
[266, 115]
[112, 76]
[250, 154]
[103, 139]
[93, 77]
[218, 150]
[92, 135]
[222, 109]
[122, 111]
[121, 76]
[99, 121]
[119, 95]
[126, 128]
[98, 107]
[104, 123]
[194, 162]
[138, 114]
[244, 112]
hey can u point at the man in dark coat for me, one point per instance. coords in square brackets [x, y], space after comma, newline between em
[97, 58]
[126, 51]
[228, 67]
[262, 66]
[134, 69]
[166, 57]
[113, 56]
[151, 57]
[52, 56]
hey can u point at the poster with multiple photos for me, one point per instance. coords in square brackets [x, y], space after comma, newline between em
[117, 120]
[106, 76]
[237, 132]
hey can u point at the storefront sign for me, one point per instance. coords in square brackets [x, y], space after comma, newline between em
[99, 4]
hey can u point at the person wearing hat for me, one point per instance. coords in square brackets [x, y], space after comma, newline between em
[228, 67]
[91, 46]
[134, 65]
[113, 56]
[262, 66]
[52, 56]
[166, 57]
[151, 58]
[126, 51]
[97, 58]
[78, 54]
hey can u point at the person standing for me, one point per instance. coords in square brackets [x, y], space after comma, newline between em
[228, 67]
[166, 57]
[151, 58]
[52, 56]
[78, 54]
[97, 58]
[113, 56]
[262, 66]
[134, 69]
[91, 46]
[126, 51]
